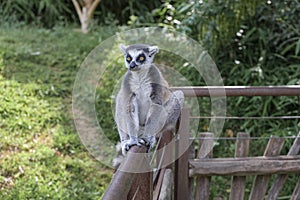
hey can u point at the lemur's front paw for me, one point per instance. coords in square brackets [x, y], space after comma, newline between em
[148, 142]
[127, 144]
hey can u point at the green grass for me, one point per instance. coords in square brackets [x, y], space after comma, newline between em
[41, 156]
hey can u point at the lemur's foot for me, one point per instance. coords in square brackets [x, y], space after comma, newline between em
[148, 142]
[127, 144]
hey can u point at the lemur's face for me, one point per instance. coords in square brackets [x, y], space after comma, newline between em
[138, 56]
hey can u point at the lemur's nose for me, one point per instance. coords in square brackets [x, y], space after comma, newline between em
[132, 65]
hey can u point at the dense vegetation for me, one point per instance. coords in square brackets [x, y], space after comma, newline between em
[252, 43]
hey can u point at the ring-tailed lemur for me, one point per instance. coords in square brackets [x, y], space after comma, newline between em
[145, 105]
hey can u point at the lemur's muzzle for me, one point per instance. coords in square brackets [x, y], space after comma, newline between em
[132, 65]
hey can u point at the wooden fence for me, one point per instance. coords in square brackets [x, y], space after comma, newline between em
[202, 167]
[189, 177]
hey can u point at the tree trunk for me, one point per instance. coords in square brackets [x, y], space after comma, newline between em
[85, 20]
[85, 10]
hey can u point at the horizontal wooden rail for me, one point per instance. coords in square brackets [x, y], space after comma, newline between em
[214, 91]
[245, 166]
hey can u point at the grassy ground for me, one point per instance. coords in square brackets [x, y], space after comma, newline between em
[41, 156]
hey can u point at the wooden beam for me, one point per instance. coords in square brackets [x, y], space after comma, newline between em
[237, 190]
[215, 91]
[296, 192]
[125, 176]
[142, 187]
[206, 144]
[192, 179]
[260, 183]
[245, 166]
[167, 185]
[164, 159]
[181, 182]
[281, 178]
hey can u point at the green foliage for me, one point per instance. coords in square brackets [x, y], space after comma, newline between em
[41, 154]
[134, 13]
[264, 52]
[253, 43]
[50, 13]
[212, 22]
[261, 43]
[46, 13]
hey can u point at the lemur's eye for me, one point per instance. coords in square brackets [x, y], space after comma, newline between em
[128, 58]
[141, 58]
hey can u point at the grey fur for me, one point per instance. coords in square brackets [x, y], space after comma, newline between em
[144, 105]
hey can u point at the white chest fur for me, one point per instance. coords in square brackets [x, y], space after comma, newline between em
[140, 85]
[140, 82]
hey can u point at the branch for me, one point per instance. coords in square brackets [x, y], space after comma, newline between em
[93, 8]
[124, 178]
[78, 9]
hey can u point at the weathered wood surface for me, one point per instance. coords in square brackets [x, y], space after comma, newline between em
[164, 159]
[210, 91]
[165, 150]
[141, 188]
[296, 193]
[240, 166]
[237, 190]
[167, 185]
[261, 181]
[192, 179]
[181, 181]
[245, 166]
[206, 143]
[281, 178]
[156, 191]
[124, 178]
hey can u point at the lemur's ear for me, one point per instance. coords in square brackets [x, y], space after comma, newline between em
[153, 50]
[123, 48]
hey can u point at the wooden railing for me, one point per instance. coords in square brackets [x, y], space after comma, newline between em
[189, 177]
[234, 91]
[240, 166]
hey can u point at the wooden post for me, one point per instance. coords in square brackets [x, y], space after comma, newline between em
[206, 144]
[261, 182]
[165, 150]
[192, 178]
[136, 164]
[238, 182]
[167, 185]
[181, 190]
[164, 160]
[296, 193]
[281, 178]
[141, 188]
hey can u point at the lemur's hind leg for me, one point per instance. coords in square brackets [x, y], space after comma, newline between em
[132, 122]
[156, 119]
[163, 117]
[173, 107]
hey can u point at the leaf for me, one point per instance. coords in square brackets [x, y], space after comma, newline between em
[248, 35]
[185, 8]
[297, 50]
[288, 48]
